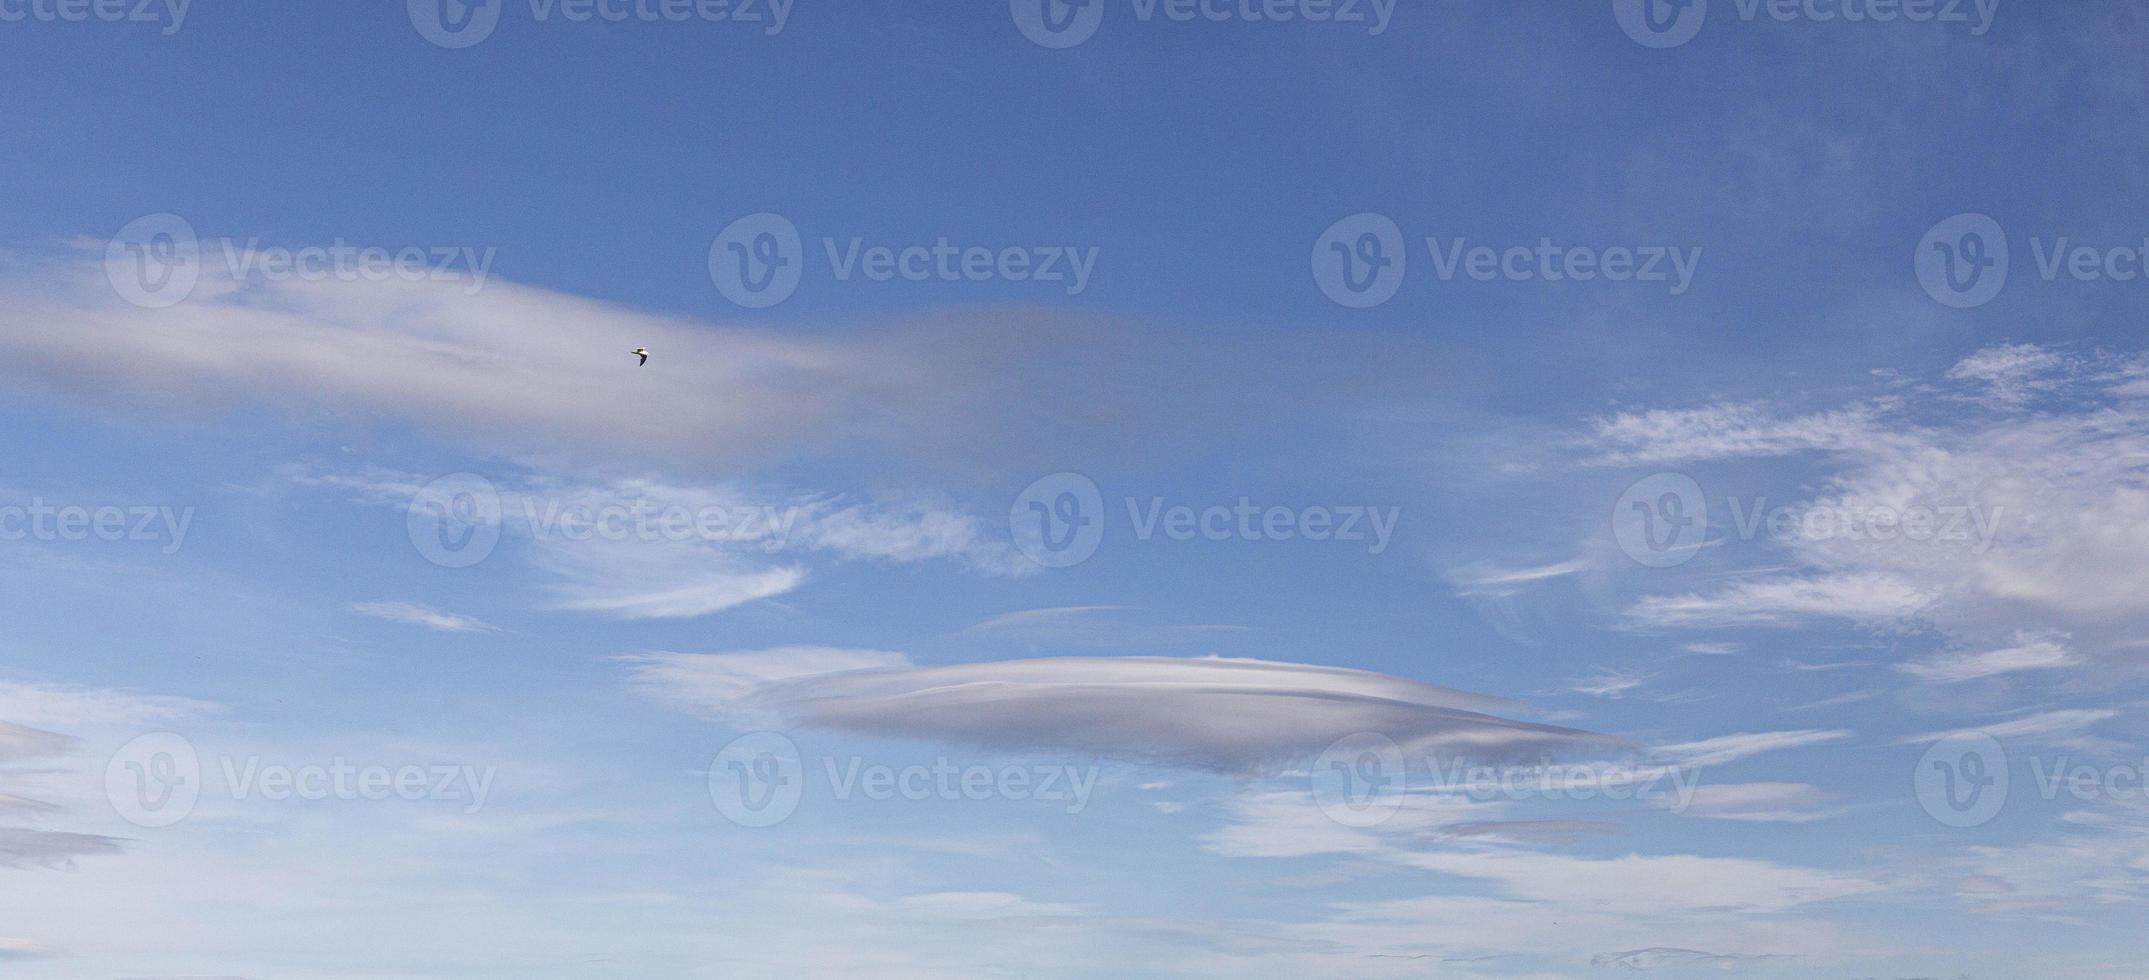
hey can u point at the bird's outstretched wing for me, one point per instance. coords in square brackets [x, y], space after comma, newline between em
[645, 359]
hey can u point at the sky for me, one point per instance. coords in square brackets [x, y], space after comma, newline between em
[1125, 488]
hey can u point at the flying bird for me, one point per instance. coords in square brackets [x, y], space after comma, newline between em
[641, 352]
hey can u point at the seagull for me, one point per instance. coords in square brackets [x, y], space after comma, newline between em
[641, 352]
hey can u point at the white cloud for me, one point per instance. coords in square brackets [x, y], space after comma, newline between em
[723, 685]
[1860, 597]
[1663, 436]
[1761, 802]
[2043, 654]
[62, 706]
[1647, 885]
[22, 848]
[1725, 749]
[2068, 722]
[417, 615]
[656, 549]
[2011, 373]
[1480, 580]
[1034, 618]
[1656, 957]
[1983, 525]
[1609, 683]
[18, 743]
[1282, 823]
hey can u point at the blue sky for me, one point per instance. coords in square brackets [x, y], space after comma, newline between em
[1469, 490]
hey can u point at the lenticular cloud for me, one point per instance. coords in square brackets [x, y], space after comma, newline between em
[1211, 713]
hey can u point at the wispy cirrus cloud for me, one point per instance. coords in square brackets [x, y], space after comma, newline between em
[68, 706]
[1656, 957]
[2061, 724]
[1725, 749]
[2032, 654]
[20, 742]
[24, 848]
[1762, 802]
[2027, 516]
[726, 685]
[646, 548]
[417, 615]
